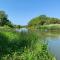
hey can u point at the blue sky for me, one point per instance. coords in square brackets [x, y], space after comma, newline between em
[21, 11]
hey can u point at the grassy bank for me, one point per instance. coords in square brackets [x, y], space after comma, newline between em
[50, 27]
[22, 46]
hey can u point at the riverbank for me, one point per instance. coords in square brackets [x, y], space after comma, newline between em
[46, 28]
[50, 27]
[22, 46]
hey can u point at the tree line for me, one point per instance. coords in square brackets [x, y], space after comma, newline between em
[37, 21]
[43, 20]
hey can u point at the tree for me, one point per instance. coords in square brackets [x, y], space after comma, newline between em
[4, 19]
[43, 20]
[17, 26]
[40, 20]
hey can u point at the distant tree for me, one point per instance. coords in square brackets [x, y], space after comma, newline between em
[17, 26]
[40, 20]
[43, 20]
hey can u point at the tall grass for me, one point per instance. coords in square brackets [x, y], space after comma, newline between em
[50, 27]
[22, 46]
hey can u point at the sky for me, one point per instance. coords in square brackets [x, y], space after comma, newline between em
[20, 12]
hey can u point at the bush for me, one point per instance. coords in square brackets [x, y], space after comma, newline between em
[22, 46]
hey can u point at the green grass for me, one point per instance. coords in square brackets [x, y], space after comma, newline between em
[22, 46]
[50, 27]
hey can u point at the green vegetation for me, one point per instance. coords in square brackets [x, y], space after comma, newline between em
[4, 21]
[50, 27]
[44, 22]
[17, 26]
[23, 46]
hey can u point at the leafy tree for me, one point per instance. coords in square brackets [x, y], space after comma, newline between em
[43, 20]
[17, 26]
[4, 19]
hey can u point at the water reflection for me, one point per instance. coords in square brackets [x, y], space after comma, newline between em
[53, 43]
[22, 29]
[54, 47]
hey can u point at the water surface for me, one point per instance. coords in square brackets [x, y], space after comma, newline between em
[53, 39]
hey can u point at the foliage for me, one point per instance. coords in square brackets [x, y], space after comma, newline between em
[4, 19]
[22, 46]
[43, 20]
[51, 27]
[17, 26]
